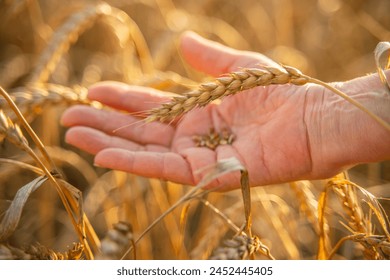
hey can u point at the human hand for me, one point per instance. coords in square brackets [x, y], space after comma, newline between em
[276, 137]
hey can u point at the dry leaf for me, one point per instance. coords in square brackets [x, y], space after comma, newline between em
[12, 216]
[246, 196]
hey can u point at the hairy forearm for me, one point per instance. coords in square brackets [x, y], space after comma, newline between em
[342, 135]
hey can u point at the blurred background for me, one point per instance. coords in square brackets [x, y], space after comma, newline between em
[50, 51]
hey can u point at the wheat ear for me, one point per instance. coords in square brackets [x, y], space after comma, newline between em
[246, 78]
[240, 247]
[223, 86]
[33, 98]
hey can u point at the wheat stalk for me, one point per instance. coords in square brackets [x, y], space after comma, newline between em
[244, 79]
[63, 193]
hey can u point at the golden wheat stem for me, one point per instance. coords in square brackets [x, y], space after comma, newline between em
[45, 170]
[22, 165]
[221, 215]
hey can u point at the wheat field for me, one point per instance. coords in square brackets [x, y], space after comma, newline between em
[55, 204]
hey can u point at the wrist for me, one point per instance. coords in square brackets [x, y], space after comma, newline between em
[341, 135]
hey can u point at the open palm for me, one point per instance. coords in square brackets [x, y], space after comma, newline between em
[268, 123]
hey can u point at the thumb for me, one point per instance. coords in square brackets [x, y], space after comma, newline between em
[215, 59]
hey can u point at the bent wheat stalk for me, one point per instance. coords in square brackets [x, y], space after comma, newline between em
[235, 82]
[16, 136]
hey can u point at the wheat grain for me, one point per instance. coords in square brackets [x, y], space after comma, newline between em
[213, 139]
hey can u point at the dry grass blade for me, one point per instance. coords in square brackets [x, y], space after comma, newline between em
[21, 165]
[75, 200]
[12, 216]
[49, 174]
[382, 60]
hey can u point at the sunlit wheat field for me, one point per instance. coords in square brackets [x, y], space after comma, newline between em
[55, 204]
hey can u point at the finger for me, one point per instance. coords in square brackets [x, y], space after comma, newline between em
[93, 141]
[125, 97]
[118, 124]
[167, 166]
[216, 59]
